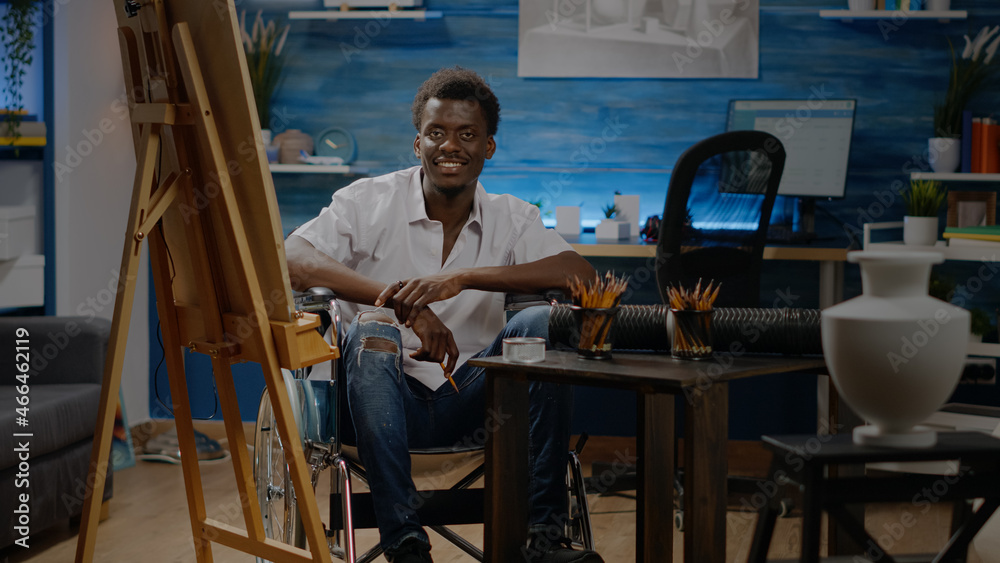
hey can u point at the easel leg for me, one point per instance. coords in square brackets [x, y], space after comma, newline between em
[237, 447]
[174, 358]
[112, 378]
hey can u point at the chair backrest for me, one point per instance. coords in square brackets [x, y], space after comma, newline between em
[716, 215]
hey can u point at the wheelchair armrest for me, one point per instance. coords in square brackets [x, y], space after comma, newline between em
[313, 298]
[518, 301]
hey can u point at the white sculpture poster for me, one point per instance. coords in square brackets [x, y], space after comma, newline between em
[639, 38]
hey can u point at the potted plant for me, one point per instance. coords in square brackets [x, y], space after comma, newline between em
[610, 228]
[17, 34]
[969, 75]
[923, 201]
[264, 47]
[981, 324]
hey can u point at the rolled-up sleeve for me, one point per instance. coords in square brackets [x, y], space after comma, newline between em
[535, 241]
[336, 230]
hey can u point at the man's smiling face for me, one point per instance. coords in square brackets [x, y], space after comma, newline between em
[453, 144]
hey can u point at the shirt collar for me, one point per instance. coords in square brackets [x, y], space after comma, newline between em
[416, 210]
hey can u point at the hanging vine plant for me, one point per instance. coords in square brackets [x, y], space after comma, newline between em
[17, 34]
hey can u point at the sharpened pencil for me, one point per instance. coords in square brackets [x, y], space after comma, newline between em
[450, 380]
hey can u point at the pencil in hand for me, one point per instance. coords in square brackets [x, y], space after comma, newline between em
[450, 380]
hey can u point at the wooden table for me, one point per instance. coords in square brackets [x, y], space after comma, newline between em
[656, 379]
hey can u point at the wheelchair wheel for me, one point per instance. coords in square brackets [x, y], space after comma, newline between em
[274, 486]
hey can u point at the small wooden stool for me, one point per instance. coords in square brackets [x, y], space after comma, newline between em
[804, 460]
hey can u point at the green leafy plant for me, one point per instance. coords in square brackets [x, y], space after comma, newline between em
[610, 211]
[970, 74]
[17, 34]
[924, 198]
[981, 323]
[264, 48]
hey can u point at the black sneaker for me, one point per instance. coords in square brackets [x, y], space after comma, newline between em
[543, 550]
[412, 550]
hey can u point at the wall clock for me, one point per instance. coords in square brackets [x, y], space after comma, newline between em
[337, 141]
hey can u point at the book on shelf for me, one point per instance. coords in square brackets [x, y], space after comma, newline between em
[976, 160]
[985, 233]
[957, 241]
[989, 153]
[966, 142]
[32, 135]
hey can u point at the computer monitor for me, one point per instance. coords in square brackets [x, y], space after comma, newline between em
[816, 135]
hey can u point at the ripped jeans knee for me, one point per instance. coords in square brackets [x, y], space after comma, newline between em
[373, 337]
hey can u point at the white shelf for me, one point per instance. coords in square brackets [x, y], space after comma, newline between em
[316, 169]
[962, 253]
[848, 15]
[363, 14]
[955, 177]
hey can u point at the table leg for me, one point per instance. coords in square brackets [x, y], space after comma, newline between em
[506, 486]
[654, 533]
[706, 429]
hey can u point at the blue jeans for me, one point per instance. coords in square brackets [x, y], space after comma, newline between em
[393, 413]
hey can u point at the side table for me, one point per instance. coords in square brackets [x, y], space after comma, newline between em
[804, 460]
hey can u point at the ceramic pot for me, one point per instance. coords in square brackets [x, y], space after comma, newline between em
[291, 143]
[939, 5]
[861, 4]
[944, 154]
[895, 354]
[920, 231]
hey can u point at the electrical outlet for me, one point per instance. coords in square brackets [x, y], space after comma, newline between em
[980, 371]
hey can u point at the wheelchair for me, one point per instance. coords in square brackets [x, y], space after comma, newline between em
[319, 405]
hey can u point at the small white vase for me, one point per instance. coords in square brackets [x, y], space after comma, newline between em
[920, 231]
[944, 154]
[895, 354]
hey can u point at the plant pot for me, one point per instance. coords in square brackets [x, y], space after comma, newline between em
[609, 229]
[944, 154]
[895, 354]
[920, 231]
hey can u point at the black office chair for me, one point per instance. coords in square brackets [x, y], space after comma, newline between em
[716, 215]
[714, 227]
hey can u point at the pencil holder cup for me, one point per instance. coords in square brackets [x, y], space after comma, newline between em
[592, 331]
[692, 334]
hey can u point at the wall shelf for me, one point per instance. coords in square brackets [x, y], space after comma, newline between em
[363, 14]
[850, 15]
[316, 169]
[955, 176]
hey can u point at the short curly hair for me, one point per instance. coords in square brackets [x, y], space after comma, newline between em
[458, 83]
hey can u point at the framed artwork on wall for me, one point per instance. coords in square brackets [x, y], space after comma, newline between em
[971, 209]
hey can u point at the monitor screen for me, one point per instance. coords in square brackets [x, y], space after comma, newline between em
[816, 135]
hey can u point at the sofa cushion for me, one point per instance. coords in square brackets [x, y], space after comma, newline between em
[58, 415]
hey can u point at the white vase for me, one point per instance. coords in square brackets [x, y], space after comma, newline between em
[944, 154]
[920, 231]
[895, 354]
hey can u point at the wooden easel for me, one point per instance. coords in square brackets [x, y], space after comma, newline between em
[204, 200]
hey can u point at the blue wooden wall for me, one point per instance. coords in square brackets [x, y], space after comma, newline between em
[362, 75]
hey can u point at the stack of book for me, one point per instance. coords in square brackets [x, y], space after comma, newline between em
[980, 153]
[31, 130]
[973, 236]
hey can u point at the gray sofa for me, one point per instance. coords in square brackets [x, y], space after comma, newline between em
[66, 356]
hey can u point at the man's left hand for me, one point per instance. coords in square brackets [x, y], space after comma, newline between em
[411, 297]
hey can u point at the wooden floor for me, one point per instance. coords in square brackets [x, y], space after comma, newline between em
[149, 519]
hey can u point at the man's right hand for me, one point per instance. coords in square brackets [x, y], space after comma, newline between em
[436, 341]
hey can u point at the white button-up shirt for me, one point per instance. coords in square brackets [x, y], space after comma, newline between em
[379, 228]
